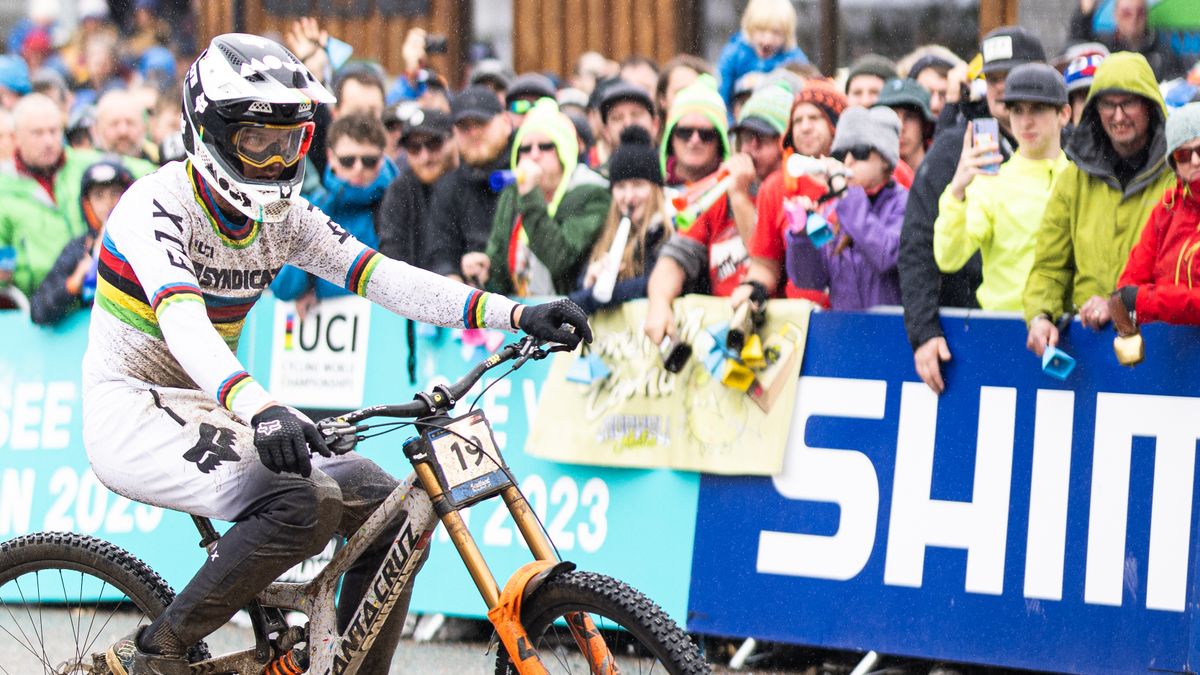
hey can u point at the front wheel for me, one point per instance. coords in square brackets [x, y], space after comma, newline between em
[639, 635]
[65, 597]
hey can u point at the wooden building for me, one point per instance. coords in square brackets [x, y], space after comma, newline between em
[548, 35]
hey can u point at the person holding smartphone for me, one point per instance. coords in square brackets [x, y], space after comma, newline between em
[998, 214]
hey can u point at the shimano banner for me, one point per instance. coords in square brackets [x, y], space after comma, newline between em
[1016, 520]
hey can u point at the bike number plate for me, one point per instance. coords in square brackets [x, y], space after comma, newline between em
[466, 460]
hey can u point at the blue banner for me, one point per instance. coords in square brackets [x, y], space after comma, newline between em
[1017, 520]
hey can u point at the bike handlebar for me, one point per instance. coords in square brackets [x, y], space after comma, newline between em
[443, 398]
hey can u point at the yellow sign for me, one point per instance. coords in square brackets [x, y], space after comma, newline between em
[642, 416]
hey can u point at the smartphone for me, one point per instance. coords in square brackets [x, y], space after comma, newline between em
[986, 131]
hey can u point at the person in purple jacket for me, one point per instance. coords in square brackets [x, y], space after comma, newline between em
[858, 264]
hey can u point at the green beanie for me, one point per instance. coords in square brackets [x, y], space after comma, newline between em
[772, 104]
[700, 97]
[545, 117]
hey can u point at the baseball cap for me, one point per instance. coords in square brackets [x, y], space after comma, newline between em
[426, 121]
[1082, 71]
[620, 90]
[493, 71]
[906, 94]
[476, 102]
[1036, 83]
[1008, 47]
[571, 96]
[530, 85]
[107, 171]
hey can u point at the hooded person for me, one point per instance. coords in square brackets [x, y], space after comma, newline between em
[1160, 277]
[695, 139]
[67, 287]
[1100, 204]
[547, 220]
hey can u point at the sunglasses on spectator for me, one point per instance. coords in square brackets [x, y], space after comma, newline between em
[520, 106]
[858, 152]
[368, 161]
[523, 150]
[706, 135]
[414, 147]
[1186, 155]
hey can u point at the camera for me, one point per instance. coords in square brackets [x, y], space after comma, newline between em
[436, 44]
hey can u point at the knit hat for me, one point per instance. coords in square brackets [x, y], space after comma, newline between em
[906, 94]
[700, 97]
[14, 74]
[546, 118]
[766, 111]
[871, 64]
[1183, 125]
[821, 94]
[635, 157]
[877, 128]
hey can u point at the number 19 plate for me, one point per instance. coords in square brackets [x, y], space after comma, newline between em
[466, 460]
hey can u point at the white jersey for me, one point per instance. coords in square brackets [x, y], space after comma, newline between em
[177, 278]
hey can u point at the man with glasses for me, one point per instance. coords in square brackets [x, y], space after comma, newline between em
[1133, 35]
[462, 204]
[403, 222]
[694, 140]
[357, 175]
[923, 286]
[1099, 205]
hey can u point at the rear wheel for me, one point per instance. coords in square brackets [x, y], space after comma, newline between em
[638, 634]
[65, 597]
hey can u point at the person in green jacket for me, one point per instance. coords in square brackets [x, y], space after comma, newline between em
[39, 192]
[1099, 206]
[547, 220]
[999, 214]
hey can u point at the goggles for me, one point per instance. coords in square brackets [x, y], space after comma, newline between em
[260, 145]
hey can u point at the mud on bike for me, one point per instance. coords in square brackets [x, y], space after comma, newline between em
[548, 617]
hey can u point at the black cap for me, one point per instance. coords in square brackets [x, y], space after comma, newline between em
[619, 91]
[1008, 47]
[108, 171]
[872, 64]
[530, 85]
[926, 62]
[426, 121]
[756, 124]
[1035, 83]
[476, 102]
[906, 94]
[494, 71]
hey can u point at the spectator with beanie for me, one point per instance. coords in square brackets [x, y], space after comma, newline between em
[858, 265]
[357, 176]
[815, 114]
[924, 287]
[910, 101]
[463, 205]
[866, 78]
[67, 286]
[547, 221]
[1157, 284]
[711, 255]
[767, 40]
[1081, 70]
[622, 105]
[695, 140]
[404, 218]
[999, 214]
[637, 193]
[1100, 204]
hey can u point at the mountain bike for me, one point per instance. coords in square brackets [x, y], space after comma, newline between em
[548, 617]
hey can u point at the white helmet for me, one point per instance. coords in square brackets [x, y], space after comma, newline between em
[248, 104]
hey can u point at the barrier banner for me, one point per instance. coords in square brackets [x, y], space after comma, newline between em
[320, 361]
[633, 413]
[1016, 520]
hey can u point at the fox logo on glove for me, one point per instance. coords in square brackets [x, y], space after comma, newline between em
[269, 427]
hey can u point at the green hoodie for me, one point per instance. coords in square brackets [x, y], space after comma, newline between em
[38, 228]
[1091, 222]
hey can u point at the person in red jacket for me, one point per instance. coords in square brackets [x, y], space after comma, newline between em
[1161, 281]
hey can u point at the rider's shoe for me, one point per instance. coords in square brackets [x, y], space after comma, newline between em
[125, 657]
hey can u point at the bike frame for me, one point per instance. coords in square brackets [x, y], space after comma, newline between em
[415, 500]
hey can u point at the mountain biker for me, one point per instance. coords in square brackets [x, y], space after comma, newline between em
[172, 419]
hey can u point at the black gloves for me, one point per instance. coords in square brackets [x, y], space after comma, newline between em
[284, 439]
[546, 322]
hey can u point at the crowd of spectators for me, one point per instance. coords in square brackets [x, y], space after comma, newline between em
[528, 183]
